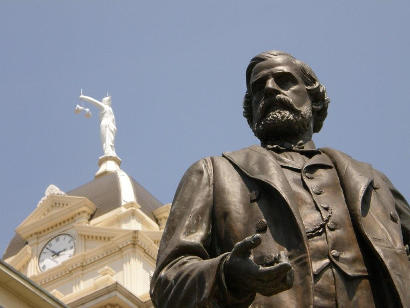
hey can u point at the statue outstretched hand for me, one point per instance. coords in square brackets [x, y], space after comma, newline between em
[244, 276]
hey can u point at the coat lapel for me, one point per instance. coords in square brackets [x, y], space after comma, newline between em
[258, 163]
[355, 177]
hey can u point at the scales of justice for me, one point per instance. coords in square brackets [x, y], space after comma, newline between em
[109, 162]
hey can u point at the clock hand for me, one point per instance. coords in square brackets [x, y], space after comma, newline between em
[52, 251]
[61, 251]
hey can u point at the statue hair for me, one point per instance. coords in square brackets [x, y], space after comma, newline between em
[316, 91]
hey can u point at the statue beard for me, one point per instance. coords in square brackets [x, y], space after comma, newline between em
[282, 121]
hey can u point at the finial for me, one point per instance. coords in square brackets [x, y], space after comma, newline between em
[53, 190]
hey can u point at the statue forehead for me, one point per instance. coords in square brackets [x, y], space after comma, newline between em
[276, 63]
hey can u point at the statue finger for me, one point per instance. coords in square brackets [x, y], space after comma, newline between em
[283, 257]
[244, 247]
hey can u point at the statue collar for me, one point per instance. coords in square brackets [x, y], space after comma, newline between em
[302, 147]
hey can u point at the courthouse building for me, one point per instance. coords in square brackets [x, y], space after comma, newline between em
[93, 246]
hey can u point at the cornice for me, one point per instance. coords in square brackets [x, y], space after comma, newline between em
[155, 236]
[117, 293]
[132, 238]
[98, 233]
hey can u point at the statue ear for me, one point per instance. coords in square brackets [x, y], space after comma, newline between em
[317, 106]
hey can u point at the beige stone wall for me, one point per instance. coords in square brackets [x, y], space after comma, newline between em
[10, 300]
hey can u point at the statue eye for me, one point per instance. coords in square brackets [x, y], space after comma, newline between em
[285, 80]
[258, 85]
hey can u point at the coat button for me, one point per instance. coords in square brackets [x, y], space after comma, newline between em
[331, 226]
[254, 195]
[335, 253]
[317, 190]
[394, 216]
[261, 226]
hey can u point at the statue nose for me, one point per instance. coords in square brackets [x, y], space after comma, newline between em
[271, 87]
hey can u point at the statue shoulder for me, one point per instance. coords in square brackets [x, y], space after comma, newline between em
[245, 151]
[333, 153]
[206, 166]
[342, 160]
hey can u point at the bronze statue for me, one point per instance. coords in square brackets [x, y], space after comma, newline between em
[284, 224]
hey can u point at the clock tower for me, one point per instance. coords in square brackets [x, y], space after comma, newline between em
[95, 245]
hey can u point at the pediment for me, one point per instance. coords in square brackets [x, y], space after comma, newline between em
[55, 210]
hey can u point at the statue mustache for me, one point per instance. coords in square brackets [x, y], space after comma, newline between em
[280, 101]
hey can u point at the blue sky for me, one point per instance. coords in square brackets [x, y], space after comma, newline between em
[175, 71]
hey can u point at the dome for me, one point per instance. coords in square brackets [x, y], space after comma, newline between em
[112, 190]
[108, 192]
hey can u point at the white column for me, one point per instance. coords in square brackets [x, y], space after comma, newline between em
[32, 268]
[77, 281]
[131, 269]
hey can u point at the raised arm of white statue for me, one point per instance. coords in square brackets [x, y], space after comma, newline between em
[91, 100]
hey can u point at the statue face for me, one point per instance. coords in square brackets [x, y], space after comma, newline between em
[280, 103]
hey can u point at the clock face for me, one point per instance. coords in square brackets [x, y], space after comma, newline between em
[56, 251]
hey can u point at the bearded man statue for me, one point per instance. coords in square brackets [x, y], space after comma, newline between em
[284, 224]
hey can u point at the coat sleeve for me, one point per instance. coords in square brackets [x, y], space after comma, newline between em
[188, 274]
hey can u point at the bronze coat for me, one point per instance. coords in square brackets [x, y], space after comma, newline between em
[218, 203]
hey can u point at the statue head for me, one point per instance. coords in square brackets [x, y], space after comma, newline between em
[283, 97]
[107, 100]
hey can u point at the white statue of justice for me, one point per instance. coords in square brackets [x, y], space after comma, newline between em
[107, 121]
